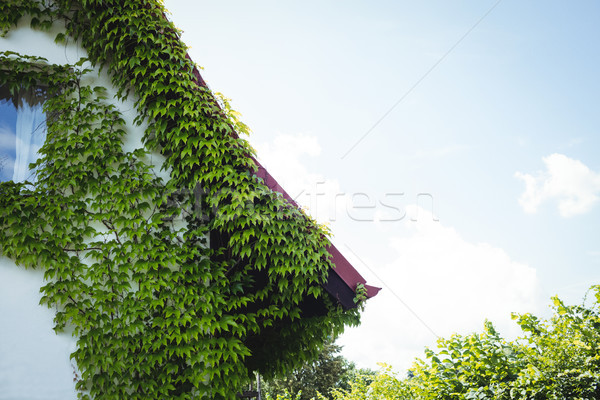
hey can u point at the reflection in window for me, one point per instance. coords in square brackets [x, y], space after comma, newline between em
[22, 132]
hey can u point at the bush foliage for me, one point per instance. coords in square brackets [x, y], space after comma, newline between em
[557, 358]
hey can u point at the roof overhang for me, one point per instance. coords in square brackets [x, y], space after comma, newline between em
[343, 279]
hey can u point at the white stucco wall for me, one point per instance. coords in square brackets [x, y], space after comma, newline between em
[34, 361]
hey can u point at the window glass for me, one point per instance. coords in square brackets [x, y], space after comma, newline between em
[22, 132]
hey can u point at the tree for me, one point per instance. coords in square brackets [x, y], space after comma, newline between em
[329, 371]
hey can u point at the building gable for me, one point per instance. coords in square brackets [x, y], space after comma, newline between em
[126, 253]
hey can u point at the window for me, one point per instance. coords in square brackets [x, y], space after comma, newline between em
[22, 132]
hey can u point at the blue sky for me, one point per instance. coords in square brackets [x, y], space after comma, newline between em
[496, 133]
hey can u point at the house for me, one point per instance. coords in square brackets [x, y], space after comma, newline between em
[173, 264]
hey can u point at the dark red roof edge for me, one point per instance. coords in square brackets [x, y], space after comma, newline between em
[343, 268]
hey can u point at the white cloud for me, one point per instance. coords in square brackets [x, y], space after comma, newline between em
[452, 286]
[569, 181]
[286, 158]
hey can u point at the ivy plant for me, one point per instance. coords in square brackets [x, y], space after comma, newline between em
[157, 311]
